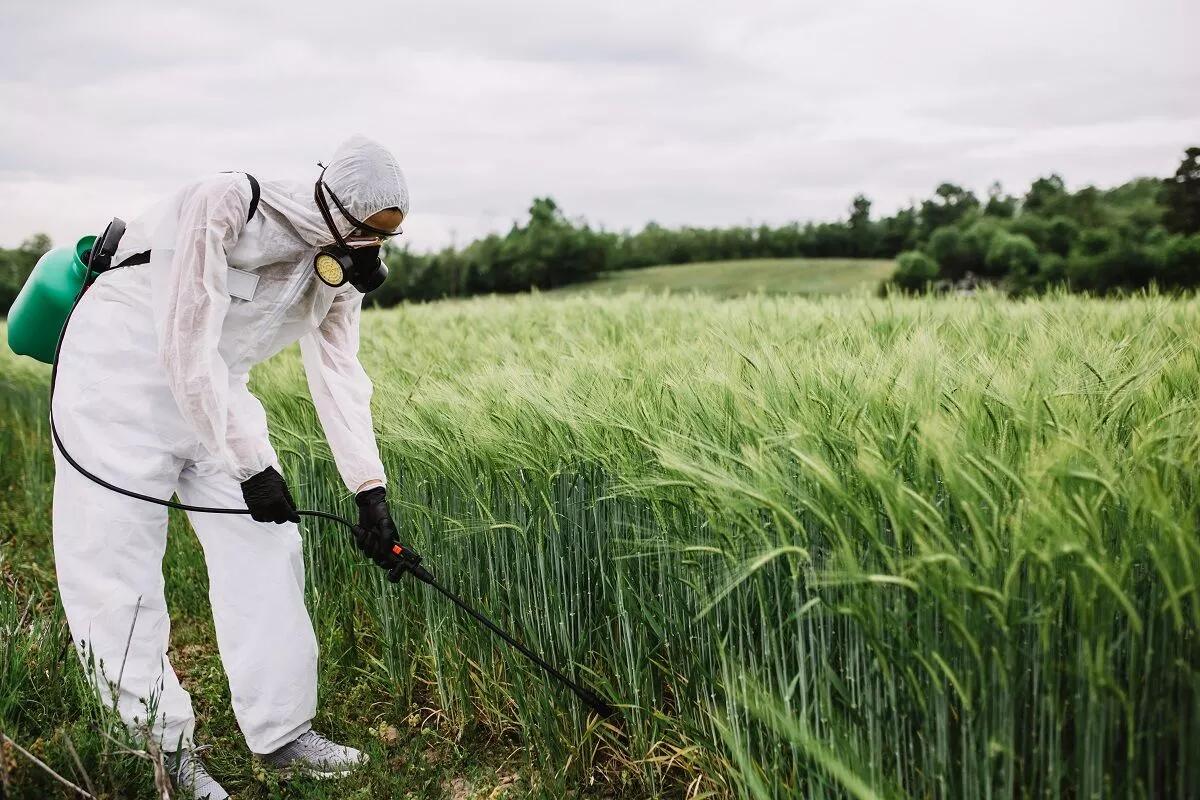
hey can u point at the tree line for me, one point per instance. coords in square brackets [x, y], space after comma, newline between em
[549, 249]
[1143, 232]
[1099, 240]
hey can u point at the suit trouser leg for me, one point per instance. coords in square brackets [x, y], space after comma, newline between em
[108, 552]
[256, 587]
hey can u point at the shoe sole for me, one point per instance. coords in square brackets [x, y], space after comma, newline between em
[292, 774]
[287, 773]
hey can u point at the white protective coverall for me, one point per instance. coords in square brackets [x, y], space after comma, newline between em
[152, 396]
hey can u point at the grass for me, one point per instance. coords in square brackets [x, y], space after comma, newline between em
[808, 276]
[833, 547]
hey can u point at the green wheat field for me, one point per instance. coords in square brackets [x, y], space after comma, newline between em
[841, 547]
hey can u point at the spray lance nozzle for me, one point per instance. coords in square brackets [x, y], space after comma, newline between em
[408, 560]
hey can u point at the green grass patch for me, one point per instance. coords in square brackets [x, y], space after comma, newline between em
[809, 276]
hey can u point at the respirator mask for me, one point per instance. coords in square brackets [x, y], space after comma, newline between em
[352, 259]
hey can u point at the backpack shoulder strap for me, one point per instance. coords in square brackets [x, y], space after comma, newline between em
[255, 195]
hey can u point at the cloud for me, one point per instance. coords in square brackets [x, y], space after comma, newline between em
[684, 113]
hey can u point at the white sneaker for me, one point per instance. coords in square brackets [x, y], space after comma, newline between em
[189, 775]
[313, 755]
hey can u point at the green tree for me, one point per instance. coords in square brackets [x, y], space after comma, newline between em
[862, 232]
[949, 204]
[898, 232]
[1105, 261]
[1000, 204]
[1181, 267]
[1089, 207]
[1052, 271]
[1096, 241]
[1181, 195]
[548, 251]
[16, 264]
[1012, 255]
[1047, 196]
[974, 244]
[860, 211]
[915, 270]
[945, 248]
[1061, 234]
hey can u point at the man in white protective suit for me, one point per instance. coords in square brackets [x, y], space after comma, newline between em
[151, 396]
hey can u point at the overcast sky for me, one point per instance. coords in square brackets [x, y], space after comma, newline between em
[697, 112]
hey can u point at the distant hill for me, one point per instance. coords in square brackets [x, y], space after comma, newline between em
[734, 278]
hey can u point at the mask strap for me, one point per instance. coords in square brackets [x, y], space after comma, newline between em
[323, 207]
[345, 212]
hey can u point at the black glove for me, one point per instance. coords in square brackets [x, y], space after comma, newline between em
[376, 533]
[267, 496]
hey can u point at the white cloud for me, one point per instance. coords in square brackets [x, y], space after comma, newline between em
[683, 112]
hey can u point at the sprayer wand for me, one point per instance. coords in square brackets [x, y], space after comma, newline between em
[407, 560]
[410, 561]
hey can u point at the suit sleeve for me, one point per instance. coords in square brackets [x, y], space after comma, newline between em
[191, 300]
[341, 391]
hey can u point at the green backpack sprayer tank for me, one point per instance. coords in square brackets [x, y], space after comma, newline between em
[38, 314]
